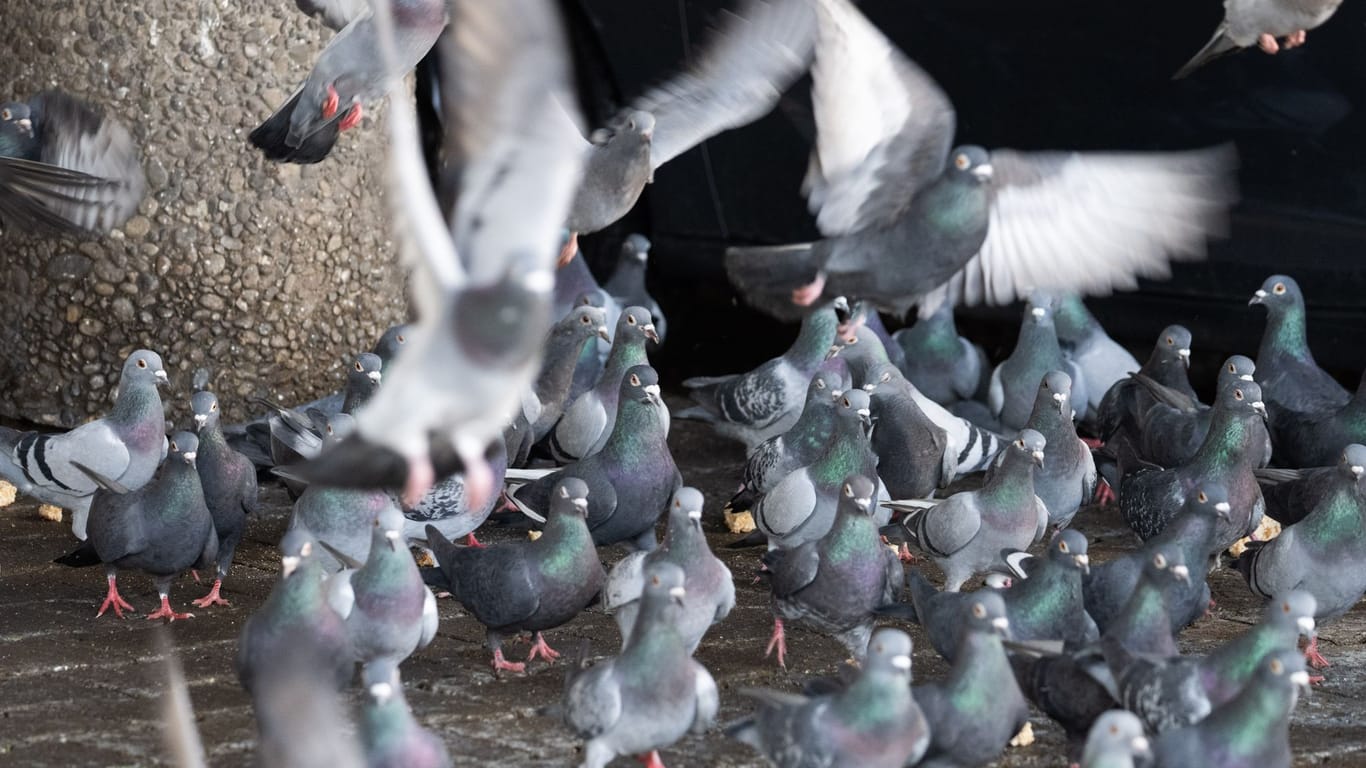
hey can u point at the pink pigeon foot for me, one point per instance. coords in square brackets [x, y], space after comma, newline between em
[779, 641]
[542, 649]
[1268, 43]
[501, 664]
[651, 760]
[330, 103]
[1105, 495]
[1295, 39]
[1094, 443]
[112, 600]
[807, 295]
[421, 477]
[470, 541]
[569, 250]
[351, 120]
[1312, 655]
[165, 612]
[213, 598]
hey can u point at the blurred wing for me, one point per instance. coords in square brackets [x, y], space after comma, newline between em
[1093, 223]
[752, 59]
[883, 126]
[333, 13]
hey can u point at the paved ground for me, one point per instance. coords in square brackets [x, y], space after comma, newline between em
[77, 690]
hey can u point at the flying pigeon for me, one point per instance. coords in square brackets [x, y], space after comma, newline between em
[1261, 23]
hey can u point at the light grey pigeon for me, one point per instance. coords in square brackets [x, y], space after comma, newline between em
[1067, 479]
[752, 407]
[229, 482]
[650, 695]
[66, 166]
[1261, 23]
[587, 422]
[1015, 382]
[126, 446]
[342, 518]
[966, 532]
[447, 508]
[482, 286]
[970, 447]
[1117, 740]
[568, 340]
[1099, 359]
[983, 227]
[834, 583]
[388, 610]
[627, 283]
[392, 737]
[939, 362]
[874, 722]
[350, 73]
[711, 590]
[914, 455]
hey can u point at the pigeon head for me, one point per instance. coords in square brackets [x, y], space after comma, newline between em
[388, 528]
[831, 379]
[879, 374]
[664, 583]
[1242, 397]
[336, 427]
[1117, 732]
[1211, 499]
[889, 653]
[686, 508]
[859, 493]
[1297, 608]
[593, 298]
[1353, 461]
[1071, 318]
[637, 123]
[570, 497]
[144, 365]
[1032, 444]
[1237, 368]
[971, 162]
[1055, 390]
[491, 321]
[1279, 292]
[1174, 345]
[17, 114]
[854, 405]
[1283, 670]
[641, 384]
[296, 545]
[635, 323]
[1167, 564]
[204, 406]
[1069, 548]
[184, 446]
[391, 343]
[843, 313]
[585, 321]
[1039, 309]
[987, 613]
[636, 247]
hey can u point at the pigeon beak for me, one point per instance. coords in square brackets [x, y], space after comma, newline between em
[1038, 312]
[189, 457]
[199, 420]
[902, 662]
[1257, 298]
[865, 416]
[1245, 377]
[1259, 407]
[1185, 355]
[392, 538]
[162, 378]
[603, 334]
[841, 309]
[864, 504]
[649, 330]
[677, 594]
[652, 394]
[1306, 625]
[695, 517]
[580, 506]
[1001, 624]
[25, 125]
[1083, 562]
[1182, 574]
[833, 351]
[1061, 399]
[289, 563]
[1038, 458]
[1140, 745]
[1301, 680]
[374, 376]
[983, 171]
[1357, 470]
[1222, 509]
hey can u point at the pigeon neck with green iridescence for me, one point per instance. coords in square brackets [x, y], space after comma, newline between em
[852, 536]
[566, 536]
[953, 206]
[301, 593]
[1048, 596]
[655, 636]
[1145, 625]
[24, 146]
[1227, 444]
[875, 699]
[1226, 670]
[1013, 482]
[975, 681]
[1338, 519]
[388, 566]
[936, 336]
[626, 354]
[638, 437]
[562, 352]
[848, 453]
[181, 482]
[385, 725]
[1072, 321]
[136, 403]
[1259, 714]
[813, 340]
[1285, 334]
[812, 431]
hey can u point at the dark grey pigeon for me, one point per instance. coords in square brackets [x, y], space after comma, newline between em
[1150, 497]
[1261, 23]
[1119, 416]
[1291, 494]
[342, 519]
[965, 533]
[66, 166]
[1116, 740]
[861, 348]
[125, 446]
[978, 708]
[833, 584]
[752, 407]
[1316, 439]
[1067, 479]
[163, 528]
[1145, 625]
[649, 696]
[362, 380]
[984, 227]
[528, 586]
[389, 612]
[295, 436]
[1164, 691]
[968, 447]
[587, 422]
[1291, 381]
[1015, 382]
[780, 455]
[630, 481]
[627, 283]
[1231, 666]
[392, 737]
[1175, 425]
[390, 343]
[940, 363]
[711, 590]
[229, 481]
[914, 455]
[1073, 689]
[1099, 359]
[868, 316]
[873, 722]
[447, 508]
[1252, 729]
[568, 340]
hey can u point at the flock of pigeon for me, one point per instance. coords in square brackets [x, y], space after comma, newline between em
[521, 372]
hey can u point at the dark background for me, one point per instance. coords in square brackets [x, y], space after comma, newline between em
[1047, 74]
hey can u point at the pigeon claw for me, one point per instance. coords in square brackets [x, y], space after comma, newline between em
[330, 102]
[1105, 495]
[569, 250]
[778, 641]
[904, 554]
[112, 600]
[165, 612]
[542, 649]
[1268, 43]
[420, 479]
[1295, 39]
[807, 295]
[351, 119]
[1312, 655]
[651, 760]
[470, 541]
[501, 664]
[213, 598]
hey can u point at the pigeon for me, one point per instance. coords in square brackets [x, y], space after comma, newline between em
[1231, 666]
[1117, 740]
[530, 586]
[1100, 359]
[914, 457]
[447, 507]
[126, 446]
[163, 528]
[342, 519]
[1175, 425]
[630, 480]
[780, 455]
[592, 358]
[297, 434]
[801, 507]
[229, 482]
[295, 615]
[834, 583]
[481, 289]
[627, 283]
[1316, 439]
[874, 722]
[587, 422]
[1074, 689]
[388, 610]
[940, 363]
[1252, 729]
[1149, 498]
[1261, 23]
[1015, 382]
[985, 226]
[296, 438]
[1119, 415]
[711, 590]
[348, 74]
[1194, 532]
[389, 344]
[391, 735]
[1145, 625]
[650, 695]
[968, 447]
[1321, 554]
[1291, 494]
[978, 708]
[862, 349]
[362, 381]
[966, 532]
[66, 166]
[752, 407]
[758, 52]
[1291, 381]
[1067, 478]
[1164, 691]
[568, 339]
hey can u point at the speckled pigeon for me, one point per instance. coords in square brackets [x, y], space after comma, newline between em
[833, 584]
[125, 446]
[940, 363]
[1015, 382]
[1099, 359]
[650, 695]
[391, 736]
[1261, 23]
[711, 590]
[873, 722]
[447, 508]
[528, 586]
[588, 420]
[1067, 479]
[66, 166]
[229, 482]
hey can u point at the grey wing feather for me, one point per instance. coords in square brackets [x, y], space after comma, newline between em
[593, 701]
[624, 582]
[708, 699]
[796, 569]
[948, 527]
[1167, 395]
[786, 507]
[94, 445]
